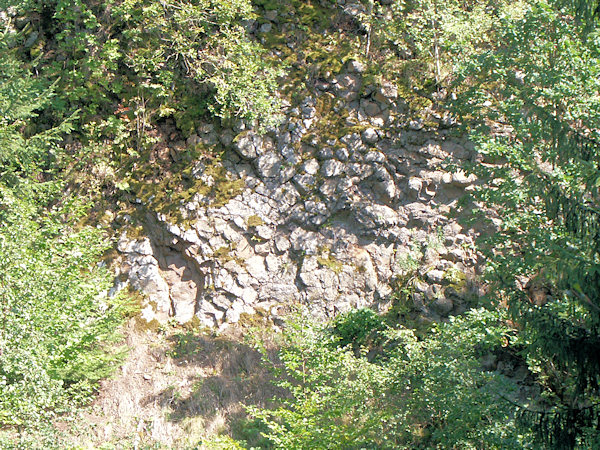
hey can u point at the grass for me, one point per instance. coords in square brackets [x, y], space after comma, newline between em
[178, 388]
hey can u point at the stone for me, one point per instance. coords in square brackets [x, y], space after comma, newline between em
[250, 145]
[375, 156]
[183, 298]
[361, 170]
[268, 165]
[415, 185]
[265, 27]
[304, 183]
[311, 166]
[370, 108]
[375, 216]
[459, 179]
[332, 168]
[255, 266]
[304, 241]
[387, 92]
[342, 154]
[271, 15]
[265, 232]
[273, 263]
[308, 112]
[436, 276]
[416, 124]
[384, 184]
[249, 296]
[325, 153]
[315, 207]
[365, 199]
[346, 81]
[282, 244]
[369, 136]
[328, 188]
[147, 279]
[142, 247]
[353, 141]
[443, 306]
[356, 66]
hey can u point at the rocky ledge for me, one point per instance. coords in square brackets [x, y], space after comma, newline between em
[344, 198]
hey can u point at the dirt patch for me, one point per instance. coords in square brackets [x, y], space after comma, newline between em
[177, 388]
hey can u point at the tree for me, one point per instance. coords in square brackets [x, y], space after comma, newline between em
[57, 327]
[540, 171]
[360, 383]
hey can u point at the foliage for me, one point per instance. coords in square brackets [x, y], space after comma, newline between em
[433, 35]
[57, 328]
[151, 54]
[358, 329]
[541, 89]
[428, 393]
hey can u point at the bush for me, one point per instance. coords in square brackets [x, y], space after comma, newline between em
[429, 393]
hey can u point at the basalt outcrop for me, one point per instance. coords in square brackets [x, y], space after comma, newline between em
[346, 195]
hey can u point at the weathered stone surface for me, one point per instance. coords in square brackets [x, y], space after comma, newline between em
[324, 221]
[268, 165]
[443, 306]
[250, 145]
[369, 136]
[332, 168]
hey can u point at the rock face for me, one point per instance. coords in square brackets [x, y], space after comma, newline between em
[329, 217]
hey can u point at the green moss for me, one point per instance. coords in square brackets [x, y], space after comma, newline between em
[257, 320]
[225, 254]
[456, 279]
[326, 259]
[331, 263]
[254, 221]
[174, 188]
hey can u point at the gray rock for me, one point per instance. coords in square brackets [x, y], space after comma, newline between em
[356, 66]
[332, 168]
[250, 145]
[387, 92]
[353, 141]
[375, 216]
[264, 232]
[384, 184]
[459, 179]
[304, 183]
[370, 108]
[443, 306]
[325, 153]
[436, 276]
[271, 15]
[374, 156]
[282, 243]
[342, 154]
[308, 112]
[265, 27]
[256, 267]
[328, 188]
[226, 137]
[347, 81]
[311, 166]
[361, 170]
[305, 241]
[416, 124]
[369, 136]
[268, 165]
[415, 185]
